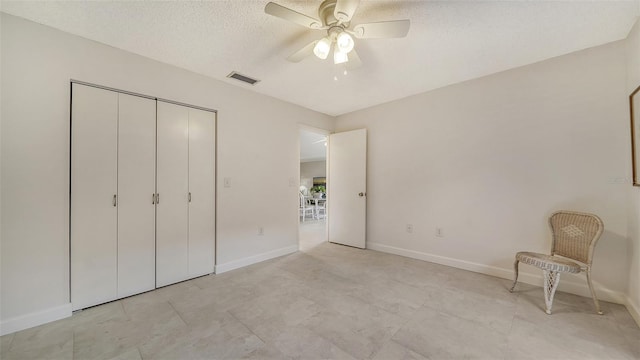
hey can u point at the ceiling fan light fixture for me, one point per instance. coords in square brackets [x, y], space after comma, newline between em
[339, 57]
[322, 48]
[344, 42]
[335, 17]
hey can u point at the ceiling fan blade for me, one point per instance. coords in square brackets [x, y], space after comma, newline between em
[291, 15]
[302, 53]
[345, 9]
[381, 30]
[354, 60]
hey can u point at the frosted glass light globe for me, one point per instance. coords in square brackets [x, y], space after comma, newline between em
[344, 42]
[339, 57]
[322, 48]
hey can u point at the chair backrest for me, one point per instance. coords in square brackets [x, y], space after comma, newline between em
[575, 235]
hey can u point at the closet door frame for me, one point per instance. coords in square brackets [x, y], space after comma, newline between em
[214, 185]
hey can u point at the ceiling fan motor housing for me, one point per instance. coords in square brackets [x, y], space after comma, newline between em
[327, 16]
[334, 31]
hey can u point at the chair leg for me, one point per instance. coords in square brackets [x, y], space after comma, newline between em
[593, 293]
[515, 281]
[551, 280]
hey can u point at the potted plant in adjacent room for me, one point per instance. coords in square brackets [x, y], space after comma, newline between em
[318, 191]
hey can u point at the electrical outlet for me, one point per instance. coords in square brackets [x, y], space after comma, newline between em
[410, 228]
[261, 231]
[227, 182]
[439, 232]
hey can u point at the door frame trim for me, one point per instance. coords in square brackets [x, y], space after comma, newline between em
[73, 81]
[308, 128]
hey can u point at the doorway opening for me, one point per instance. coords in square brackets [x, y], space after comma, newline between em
[313, 197]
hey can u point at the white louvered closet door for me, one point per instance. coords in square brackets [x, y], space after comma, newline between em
[172, 254]
[94, 186]
[201, 190]
[136, 186]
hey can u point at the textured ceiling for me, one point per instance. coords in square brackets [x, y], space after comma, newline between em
[449, 41]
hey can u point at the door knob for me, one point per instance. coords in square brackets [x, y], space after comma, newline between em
[361, 194]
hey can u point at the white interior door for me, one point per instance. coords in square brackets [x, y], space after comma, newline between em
[172, 257]
[201, 191]
[94, 146]
[347, 188]
[136, 186]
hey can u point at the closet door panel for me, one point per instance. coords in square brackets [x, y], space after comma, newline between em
[136, 186]
[173, 188]
[94, 115]
[201, 187]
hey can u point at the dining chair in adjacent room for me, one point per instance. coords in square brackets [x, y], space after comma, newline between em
[321, 209]
[305, 208]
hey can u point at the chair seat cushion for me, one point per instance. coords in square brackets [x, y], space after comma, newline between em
[548, 262]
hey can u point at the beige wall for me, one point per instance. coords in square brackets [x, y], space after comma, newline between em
[257, 150]
[490, 159]
[311, 169]
[486, 160]
[633, 81]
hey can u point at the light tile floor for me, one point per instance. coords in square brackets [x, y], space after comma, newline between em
[312, 233]
[336, 302]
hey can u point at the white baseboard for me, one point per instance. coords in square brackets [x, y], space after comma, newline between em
[236, 264]
[18, 323]
[633, 309]
[581, 289]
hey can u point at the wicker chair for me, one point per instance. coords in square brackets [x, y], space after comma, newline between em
[574, 238]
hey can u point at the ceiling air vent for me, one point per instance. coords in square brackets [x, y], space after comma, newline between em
[243, 78]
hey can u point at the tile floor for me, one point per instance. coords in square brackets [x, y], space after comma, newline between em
[336, 302]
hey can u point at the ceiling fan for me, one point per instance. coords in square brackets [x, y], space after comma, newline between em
[335, 18]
